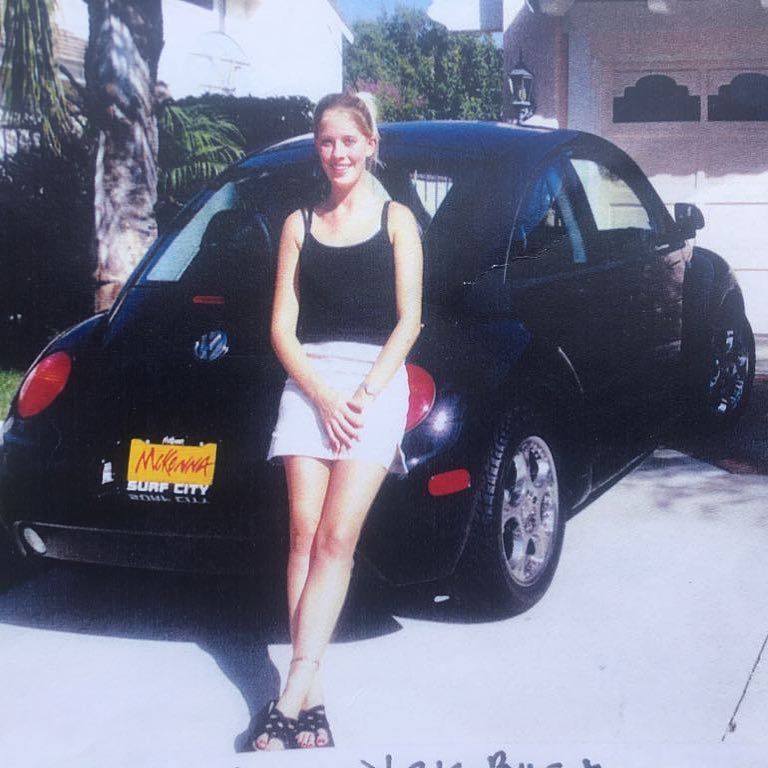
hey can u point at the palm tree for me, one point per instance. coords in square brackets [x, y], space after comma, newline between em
[124, 45]
[32, 93]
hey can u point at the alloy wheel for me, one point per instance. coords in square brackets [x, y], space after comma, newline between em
[730, 372]
[529, 511]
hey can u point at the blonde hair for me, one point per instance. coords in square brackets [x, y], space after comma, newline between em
[362, 108]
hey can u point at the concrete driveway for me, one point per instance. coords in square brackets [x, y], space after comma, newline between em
[648, 650]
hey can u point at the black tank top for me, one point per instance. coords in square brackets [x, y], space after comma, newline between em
[347, 292]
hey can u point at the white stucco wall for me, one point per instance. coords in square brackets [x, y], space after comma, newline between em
[259, 48]
[283, 47]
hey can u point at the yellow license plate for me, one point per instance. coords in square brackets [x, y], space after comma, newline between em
[152, 462]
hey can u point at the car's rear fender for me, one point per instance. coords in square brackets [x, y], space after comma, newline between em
[723, 292]
[76, 341]
[710, 292]
[546, 382]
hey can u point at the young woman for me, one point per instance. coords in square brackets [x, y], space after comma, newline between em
[347, 311]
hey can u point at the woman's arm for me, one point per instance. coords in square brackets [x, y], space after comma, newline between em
[409, 271]
[340, 418]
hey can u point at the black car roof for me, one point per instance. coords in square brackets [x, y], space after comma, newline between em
[475, 138]
[445, 138]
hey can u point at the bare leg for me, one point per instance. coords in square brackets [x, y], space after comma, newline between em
[352, 487]
[307, 484]
[307, 480]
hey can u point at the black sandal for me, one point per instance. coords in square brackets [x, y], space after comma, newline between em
[314, 720]
[278, 726]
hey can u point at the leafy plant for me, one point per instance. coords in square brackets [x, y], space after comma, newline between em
[201, 135]
[262, 121]
[9, 382]
[33, 97]
[46, 205]
[195, 146]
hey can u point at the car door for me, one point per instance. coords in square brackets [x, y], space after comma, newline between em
[629, 235]
[568, 296]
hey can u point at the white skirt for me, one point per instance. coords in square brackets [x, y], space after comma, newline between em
[343, 365]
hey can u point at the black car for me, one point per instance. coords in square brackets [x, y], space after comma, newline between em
[567, 324]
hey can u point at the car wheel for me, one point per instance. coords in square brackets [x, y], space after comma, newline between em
[519, 518]
[728, 376]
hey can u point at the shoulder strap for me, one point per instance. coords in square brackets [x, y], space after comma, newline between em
[384, 214]
[306, 214]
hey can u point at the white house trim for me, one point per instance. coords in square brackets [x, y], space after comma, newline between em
[241, 47]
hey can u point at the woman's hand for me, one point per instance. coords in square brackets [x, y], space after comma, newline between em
[342, 418]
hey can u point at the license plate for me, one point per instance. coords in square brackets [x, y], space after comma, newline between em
[159, 463]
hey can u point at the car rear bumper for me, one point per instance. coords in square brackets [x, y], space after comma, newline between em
[409, 537]
[52, 512]
[154, 551]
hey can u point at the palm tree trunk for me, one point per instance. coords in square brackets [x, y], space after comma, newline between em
[125, 41]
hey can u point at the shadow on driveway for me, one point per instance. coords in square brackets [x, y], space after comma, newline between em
[235, 620]
[744, 450]
[231, 619]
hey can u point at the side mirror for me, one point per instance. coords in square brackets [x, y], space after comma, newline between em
[689, 219]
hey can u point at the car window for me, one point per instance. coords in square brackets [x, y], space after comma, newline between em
[423, 186]
[460, 212]
[431, 189]
[618, 224]
[182, 246]
[613, 203]
[235, 225]
[545, 228]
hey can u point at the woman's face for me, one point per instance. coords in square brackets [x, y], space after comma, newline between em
[343, 148]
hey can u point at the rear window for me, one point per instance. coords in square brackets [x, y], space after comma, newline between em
[232, 222]
[240, 222]
[431, 189]
[463, 215]
[181, 247]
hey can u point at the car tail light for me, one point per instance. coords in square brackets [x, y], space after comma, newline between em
[43, 384]
[422, 397]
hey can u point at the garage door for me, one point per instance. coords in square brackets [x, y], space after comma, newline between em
[697, 123]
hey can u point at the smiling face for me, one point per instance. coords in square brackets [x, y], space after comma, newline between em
[343, 147]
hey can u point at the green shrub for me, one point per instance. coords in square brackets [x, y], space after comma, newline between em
[201, 135]
[9, 382]
[260, 121]
[46, 207]
[46, 213]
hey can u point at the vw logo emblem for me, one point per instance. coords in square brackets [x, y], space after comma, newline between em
[211, 346]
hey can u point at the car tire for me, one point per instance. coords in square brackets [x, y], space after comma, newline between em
[722, 381]
[519, 516]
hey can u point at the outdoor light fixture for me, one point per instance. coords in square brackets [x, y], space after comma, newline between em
[521, 87]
